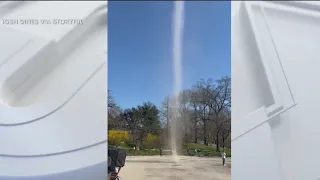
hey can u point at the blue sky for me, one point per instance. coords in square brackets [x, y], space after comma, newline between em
[139, 47]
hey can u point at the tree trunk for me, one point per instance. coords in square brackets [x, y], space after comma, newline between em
[168, 128]
[223, 140]
[185, 129]
[195, 132]
[217, 144]
[205, 141]
[195, 126]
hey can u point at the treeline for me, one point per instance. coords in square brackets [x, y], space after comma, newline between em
[204, 117]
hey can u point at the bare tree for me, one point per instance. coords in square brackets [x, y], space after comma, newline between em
[226, 127]
[114, 111]
[194, 109]
[222, 101]
[184, 111]
[202, 115]
[203, 91]
[203, 110]
[216, 97]
[204, 106]
[165, 112]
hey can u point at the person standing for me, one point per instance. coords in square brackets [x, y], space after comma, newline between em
[224, 156]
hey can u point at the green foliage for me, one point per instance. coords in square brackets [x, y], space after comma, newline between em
[128, 144]
[149, 115]
[151, 137]
[151, 141]
[142, 121]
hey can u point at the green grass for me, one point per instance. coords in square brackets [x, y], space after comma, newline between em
[204, 150]
[188, 150]
[124, 145]
[142, 152]
[149, 152]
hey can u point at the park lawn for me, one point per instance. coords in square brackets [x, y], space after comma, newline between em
[124, 145]
[206, 150]
[142, 152]
[145, 152]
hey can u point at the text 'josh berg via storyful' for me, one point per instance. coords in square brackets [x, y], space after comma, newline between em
[42, 21]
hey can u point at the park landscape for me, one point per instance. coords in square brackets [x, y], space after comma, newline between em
[169, 81]
[203, 130]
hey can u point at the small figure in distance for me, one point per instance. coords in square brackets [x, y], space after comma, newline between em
[161, 151]
[224, 156]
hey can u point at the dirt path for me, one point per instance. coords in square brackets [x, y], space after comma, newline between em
[160, 168]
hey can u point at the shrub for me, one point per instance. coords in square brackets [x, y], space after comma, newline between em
[151, 141]
[151, 137]
[115, 137]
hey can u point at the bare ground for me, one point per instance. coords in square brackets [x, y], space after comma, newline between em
[188, 168]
